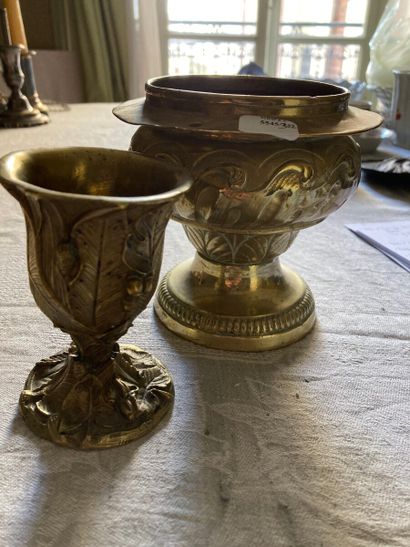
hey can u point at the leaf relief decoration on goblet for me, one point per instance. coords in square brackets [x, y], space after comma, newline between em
[105, 270]
[94, 273]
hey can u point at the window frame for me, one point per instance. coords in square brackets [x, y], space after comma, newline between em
[267, 38]
[259, 38]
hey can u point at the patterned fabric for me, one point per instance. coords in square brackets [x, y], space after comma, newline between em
[303, 446]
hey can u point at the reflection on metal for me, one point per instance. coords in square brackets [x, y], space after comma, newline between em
[95, 231]
[251, 196]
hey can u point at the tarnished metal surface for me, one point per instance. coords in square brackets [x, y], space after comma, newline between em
[251, 196]
[95, 227]
[18, 111]
[212, 105]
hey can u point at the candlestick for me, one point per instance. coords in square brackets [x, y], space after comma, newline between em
[18, 34]
[29, 87]
[18, 111]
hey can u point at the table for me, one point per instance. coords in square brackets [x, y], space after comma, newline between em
[304, 446]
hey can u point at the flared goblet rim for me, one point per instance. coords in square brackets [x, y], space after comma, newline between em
[183, 179]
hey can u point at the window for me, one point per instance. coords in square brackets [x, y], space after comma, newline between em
[210, 37]
[289, 38]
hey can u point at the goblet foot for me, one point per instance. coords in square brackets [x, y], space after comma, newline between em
[72, 404]
[239, 308]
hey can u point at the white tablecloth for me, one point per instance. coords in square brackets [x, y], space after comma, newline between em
[304, 446]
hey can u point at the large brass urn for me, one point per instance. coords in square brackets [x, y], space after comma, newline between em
[268, 157]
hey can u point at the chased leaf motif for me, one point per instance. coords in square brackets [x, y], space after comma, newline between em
[97, 292]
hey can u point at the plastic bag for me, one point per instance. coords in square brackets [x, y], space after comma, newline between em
[390, 44]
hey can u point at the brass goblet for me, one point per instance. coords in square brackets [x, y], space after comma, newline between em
[269, 157]
[95, 227]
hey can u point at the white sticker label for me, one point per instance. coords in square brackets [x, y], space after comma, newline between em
[282, 129]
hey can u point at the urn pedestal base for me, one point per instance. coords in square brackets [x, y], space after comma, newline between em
[235, 307]
[69, 403]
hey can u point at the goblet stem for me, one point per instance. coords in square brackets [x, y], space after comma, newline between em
[94, 353]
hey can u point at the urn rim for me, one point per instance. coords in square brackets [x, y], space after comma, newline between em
[204, 104]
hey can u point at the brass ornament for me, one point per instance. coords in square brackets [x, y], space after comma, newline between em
[18, 112]
[245, 208]
[210, 106]
[252, 194]
[95, 229]
[70, 403]
[282, 300]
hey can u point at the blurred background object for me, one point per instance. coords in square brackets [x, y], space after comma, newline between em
[57, 73]
[390, 44]
[109, 48]
[370, 141]
[13, 33]
[20, 104]
[16, 110]
[96, 31]
[252, 69]
[401, 107]
[288, 38]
